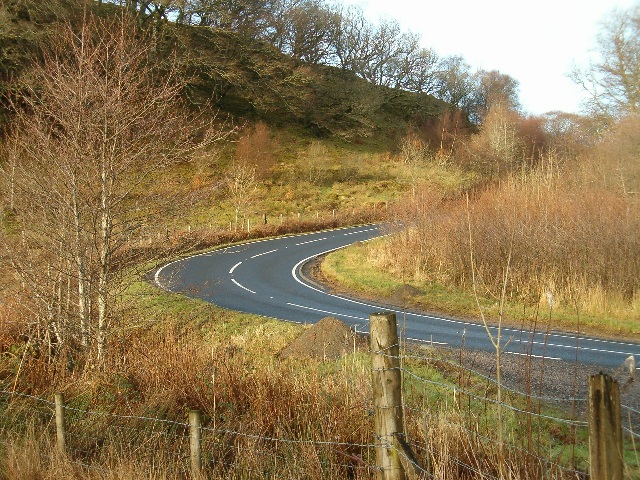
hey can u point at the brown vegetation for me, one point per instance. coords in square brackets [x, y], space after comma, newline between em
[571, 226]
[263, 416]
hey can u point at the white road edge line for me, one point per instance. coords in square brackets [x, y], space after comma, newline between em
[325, 311]
[368, 305]
[241, 286]
[531, 355]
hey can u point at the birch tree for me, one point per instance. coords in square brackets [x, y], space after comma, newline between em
[612, 81]
[104, 118]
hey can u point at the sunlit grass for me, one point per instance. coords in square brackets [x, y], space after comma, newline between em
[353, 269]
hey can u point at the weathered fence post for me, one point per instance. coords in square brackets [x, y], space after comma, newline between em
[387, 393]
[195, 440]
[605, 428]
[60, 425]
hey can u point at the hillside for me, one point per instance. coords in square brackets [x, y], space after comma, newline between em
[247, 79]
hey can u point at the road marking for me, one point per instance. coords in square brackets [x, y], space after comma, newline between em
[581, 340]
[242, 287]
[359, 231]
[239, 249]
[311, 241]
[234, 267]
[430, 342]
[580, 347]
[531, 355]
[326, 311]
[265, 253]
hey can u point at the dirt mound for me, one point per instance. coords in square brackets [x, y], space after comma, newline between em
[404, 294]
[326, 340]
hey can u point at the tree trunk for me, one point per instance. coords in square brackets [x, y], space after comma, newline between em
[105, 264]
[81, 271]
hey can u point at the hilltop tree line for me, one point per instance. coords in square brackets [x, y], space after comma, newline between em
[322, 33]
[316, 32]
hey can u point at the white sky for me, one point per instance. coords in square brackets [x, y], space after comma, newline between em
[535, 42]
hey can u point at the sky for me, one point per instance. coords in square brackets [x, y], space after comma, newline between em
[536, 42]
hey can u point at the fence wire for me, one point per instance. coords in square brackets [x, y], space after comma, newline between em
[95, 437]
[560, 436]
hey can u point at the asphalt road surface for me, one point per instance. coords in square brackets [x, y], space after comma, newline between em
[264, 277]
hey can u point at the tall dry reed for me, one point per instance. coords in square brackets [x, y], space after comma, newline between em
[580, 244]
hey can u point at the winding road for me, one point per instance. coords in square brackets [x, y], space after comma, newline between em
[265, 278]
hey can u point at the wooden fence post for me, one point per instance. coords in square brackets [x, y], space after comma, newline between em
[605, 429]
[195, 441]
[387, 393]
[60, 425]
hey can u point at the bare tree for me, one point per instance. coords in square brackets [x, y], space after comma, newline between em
[247, 17]
[102, 120]
[404, 62]
[457, 83]
[418, 71]
[310, 32]
[353, 30]
[613, 81]
[241, 184]
[494, 89]
[314, 162]
[256, 148]
[380, 46]
[414, 153]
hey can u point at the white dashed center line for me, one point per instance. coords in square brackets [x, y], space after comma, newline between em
[241, 286]
[311, 241]
[531, 355]
[264, 253]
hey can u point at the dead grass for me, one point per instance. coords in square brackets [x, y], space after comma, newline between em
[186, 355]
[580, 246]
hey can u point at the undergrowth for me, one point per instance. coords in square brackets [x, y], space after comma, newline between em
[263, 416]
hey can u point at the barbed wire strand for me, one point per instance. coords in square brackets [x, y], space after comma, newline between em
[510, 446]
[576, 423]
[492, 380]
[626, 407]
[631, 432]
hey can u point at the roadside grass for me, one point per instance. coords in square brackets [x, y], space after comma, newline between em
[352, 269]
[218, 327]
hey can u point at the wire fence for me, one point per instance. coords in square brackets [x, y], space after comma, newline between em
[99, 440]
[454, 430]
[538, 439]
[488, 429]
